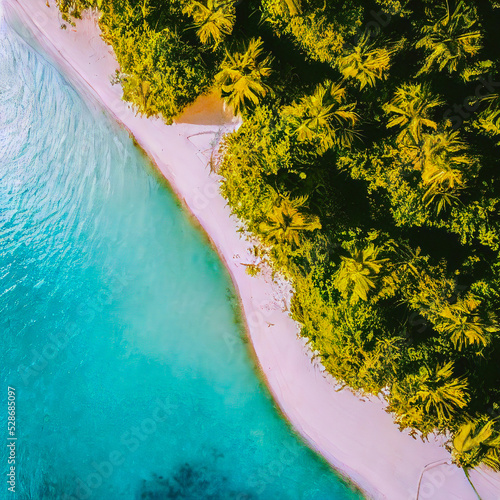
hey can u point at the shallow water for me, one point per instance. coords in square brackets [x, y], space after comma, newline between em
[120, 327]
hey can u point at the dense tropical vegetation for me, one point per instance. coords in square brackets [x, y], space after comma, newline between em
[368, 167]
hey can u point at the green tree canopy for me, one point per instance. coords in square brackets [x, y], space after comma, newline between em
[242, 76]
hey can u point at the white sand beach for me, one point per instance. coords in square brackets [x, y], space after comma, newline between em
[356, 436]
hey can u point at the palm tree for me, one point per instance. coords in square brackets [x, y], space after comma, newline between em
[286, 222]
[476, 443]
[293, 7]
[365, 64]
[439, 393]
[441, 199]
[241, 76]
[411, 109]
[409, 260]
[473, 72]
[324, 118]
[488, 121]
[442, 159]
[464, 325]
[450, 38]
[214, 19]
[357, 272]
[443, 150]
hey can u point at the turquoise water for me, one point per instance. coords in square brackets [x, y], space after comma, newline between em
[120, 327]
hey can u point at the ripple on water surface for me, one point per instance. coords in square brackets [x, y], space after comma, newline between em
[120, 327]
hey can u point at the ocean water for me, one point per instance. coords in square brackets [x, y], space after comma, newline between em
[120, 328]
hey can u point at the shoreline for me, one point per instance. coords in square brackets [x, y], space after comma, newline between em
[358, 438]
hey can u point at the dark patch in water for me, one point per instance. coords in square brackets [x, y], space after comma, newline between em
[190, 482]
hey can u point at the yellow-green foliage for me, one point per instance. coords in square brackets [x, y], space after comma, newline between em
[320, 37]
[242, 76]
[429, 399]
[477, 442]
[214, 20]
[161, 72]
[367, 166]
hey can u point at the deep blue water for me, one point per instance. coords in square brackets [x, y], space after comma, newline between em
[120, 327]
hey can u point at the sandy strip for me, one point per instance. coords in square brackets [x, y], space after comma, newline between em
[357, 437]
